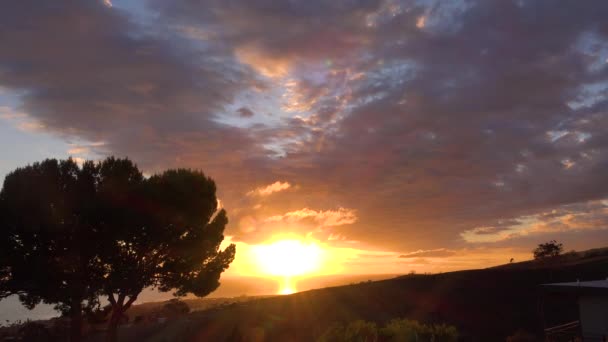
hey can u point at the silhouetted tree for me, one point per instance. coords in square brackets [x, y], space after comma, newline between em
[48, 237]
[164, 232]
[70, 234]
[548, 249]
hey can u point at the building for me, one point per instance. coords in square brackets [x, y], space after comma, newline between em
[592, 299]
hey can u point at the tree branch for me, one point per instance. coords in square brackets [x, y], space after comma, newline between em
[111, 299]
[129, 302]
[121, 299]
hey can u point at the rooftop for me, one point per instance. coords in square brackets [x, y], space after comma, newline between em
[589, 287]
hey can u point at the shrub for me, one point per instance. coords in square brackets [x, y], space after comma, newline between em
[175, 307]
[35, 332]
[335, 333]
[361, 331]
[401, 330]
[138, 319]
[404, 330]
[397, 330]
[357, 331]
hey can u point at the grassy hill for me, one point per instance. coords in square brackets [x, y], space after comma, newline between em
[485, 305]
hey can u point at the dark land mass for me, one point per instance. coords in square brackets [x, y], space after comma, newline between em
[485, 305]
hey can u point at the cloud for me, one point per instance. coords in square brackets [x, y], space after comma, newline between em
[245, 112]
[439, 124]
[570, 218]
[324, 218]
[110, 79]
[78, 150]
[8, 113]
[432, 253]
[277, 186]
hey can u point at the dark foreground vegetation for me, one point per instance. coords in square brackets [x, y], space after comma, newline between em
[494, 304]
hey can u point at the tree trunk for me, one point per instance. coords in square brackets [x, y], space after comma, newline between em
[112, 333]
[75, 321]
[118, 309]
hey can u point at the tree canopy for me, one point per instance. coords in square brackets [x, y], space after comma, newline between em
[71, 234]
[48, 236]
[548, 249]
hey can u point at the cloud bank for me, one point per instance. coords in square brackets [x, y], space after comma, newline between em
[440, 124]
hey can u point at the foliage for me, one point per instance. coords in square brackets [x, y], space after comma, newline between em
[548, 250]
[173, 236]
[98, 315]
[361, 331]
[35, 332]
[402, 330]
[357, 331]
[71, 234]
[49, 237]
[175, 307]
[397, 330]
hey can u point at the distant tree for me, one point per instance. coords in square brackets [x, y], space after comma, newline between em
[511, 261]
[175, 307]
[548, 250]
[49, 228]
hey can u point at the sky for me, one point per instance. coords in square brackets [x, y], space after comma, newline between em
[397, 135]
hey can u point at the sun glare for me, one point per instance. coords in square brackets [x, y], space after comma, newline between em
[287, 287]
[288, 258]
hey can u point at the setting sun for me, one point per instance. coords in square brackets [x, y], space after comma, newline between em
[288, 258]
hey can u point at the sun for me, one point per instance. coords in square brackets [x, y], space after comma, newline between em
[288, 258]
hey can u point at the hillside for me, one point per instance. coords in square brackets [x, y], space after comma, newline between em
[485, 305]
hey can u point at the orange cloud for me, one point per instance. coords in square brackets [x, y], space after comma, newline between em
[270, 189]
[429, 253]
[31, 126]
[78, 150]
[325, 218]
[272, 67]
[420, 22]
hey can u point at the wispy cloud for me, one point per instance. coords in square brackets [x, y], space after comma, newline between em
[277, 186]
[324, 218]
[8, 113]
[430, 253]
